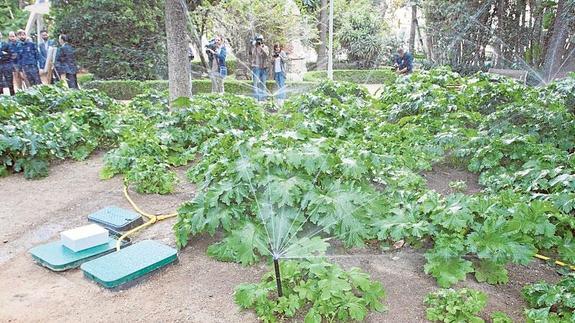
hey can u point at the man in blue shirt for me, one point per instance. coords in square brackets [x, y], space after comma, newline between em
[6, 68]
[16, 74]
[43, 46]
[28, 58]
[404, 62]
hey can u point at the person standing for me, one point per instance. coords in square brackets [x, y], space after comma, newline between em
[260, 53]
[43, 46]
[28, 58]
[217, 59]
[16, 72]
[280, 58]
[66, 62]
[404, 62]
[6, 67]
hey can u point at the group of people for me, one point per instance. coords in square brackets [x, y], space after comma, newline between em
[21, 61]
[262, 59]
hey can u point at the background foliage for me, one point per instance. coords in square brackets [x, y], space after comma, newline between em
[115, 39]
[13, 17]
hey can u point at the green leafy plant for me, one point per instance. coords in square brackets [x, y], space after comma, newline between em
[458, 186]
[500, 317]
[449, 305]
[320, 290]
[550, 302]
[48, 123]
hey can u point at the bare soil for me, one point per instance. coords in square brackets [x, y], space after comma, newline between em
[197, 288]
[439, 177]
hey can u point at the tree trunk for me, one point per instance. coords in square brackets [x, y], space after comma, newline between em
[413, 29]
[555, 55]
[383, 8]
[179, 69]
[243, 68]
[323, 26]
[420, 37]
[429, 44]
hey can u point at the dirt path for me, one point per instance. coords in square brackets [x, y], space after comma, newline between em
[373, 88]
[197, 289]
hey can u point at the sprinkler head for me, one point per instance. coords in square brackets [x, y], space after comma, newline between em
[278, 277]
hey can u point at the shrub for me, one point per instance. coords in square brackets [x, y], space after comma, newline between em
[379, 76]
[323, 291]
[449, 305]
[128, 89]
[85, 78]
[361, 36]
[115, 38]
[199, 70]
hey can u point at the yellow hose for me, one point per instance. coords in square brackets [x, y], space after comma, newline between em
[557, 262]
[151, 219]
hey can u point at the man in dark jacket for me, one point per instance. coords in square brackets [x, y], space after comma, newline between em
[66, 62]
[43, 46]
[17, 75]
[28, 58]
[6, 68]
[404, 62]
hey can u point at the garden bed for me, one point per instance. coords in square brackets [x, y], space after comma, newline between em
[198, 288]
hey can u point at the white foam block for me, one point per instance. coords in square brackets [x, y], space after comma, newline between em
[84, 237]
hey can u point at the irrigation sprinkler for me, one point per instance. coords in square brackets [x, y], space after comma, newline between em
[278, 276]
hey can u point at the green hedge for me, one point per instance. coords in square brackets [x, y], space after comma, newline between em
[127, 89]
[198, 68]
[85, 78]
[379, 76]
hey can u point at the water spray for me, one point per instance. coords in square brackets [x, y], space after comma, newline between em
[278, 276]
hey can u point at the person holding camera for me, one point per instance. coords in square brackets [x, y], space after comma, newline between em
[216, 51]
[260, 58]
[280, 58]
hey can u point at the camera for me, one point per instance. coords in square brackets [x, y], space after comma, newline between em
[211, 45]
[258, 41]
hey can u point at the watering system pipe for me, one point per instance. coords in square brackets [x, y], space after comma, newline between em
[151, 219]
[278, 277]
[557, 262]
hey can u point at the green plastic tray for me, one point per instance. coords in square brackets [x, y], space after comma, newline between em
[116, 219]
[56, 257]
[129, 264]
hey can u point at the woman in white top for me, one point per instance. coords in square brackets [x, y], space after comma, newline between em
[279, 60]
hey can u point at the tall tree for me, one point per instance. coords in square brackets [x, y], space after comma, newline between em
[413, 27]
[179, 69]
[322, 27]
[557, 52]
